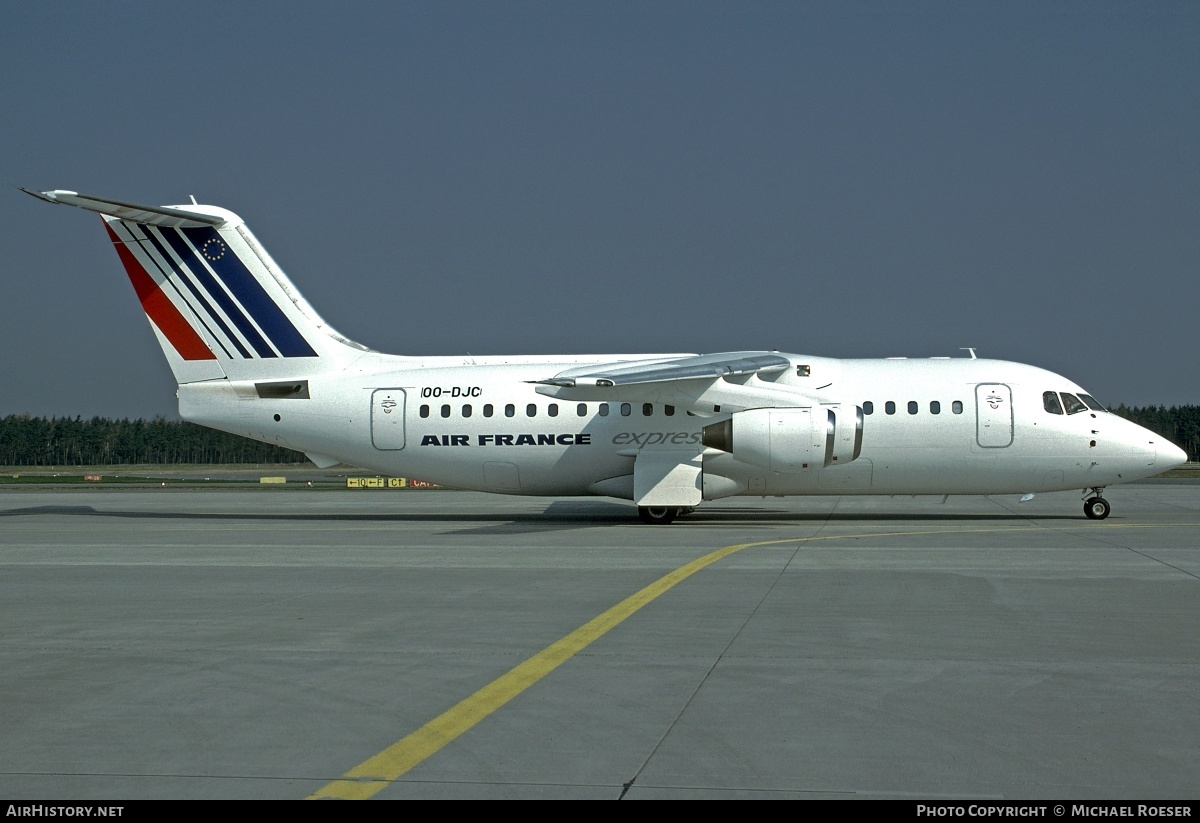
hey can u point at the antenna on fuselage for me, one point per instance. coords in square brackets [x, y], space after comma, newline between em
[971, 349]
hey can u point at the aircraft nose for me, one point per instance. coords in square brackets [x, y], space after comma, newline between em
[1170, 456]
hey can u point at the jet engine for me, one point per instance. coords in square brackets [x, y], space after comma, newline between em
[790, 440]
[848, 432]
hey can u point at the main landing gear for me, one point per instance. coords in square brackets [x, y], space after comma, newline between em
[1096, 507]
[662, 515]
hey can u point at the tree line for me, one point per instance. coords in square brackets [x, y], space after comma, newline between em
[73, 441]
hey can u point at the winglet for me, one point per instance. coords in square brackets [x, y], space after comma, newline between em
[153, 215]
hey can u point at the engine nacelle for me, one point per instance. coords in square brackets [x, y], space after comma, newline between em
[782, 440]
[790, 440]
[848, 433]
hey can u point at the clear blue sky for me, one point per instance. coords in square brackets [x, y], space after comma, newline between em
[838, 179]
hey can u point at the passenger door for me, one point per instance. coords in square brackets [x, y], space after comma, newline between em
[387, 419]
[993, 415]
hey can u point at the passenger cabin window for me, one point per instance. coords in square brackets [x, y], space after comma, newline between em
[1074, 404]
[510, 410]
[935, 407]
[956, 407]
[626, 409]
[581, 410]
[1050, 402]
[889, 407]
[552, 410]
[487, 410]
[868, 407]
[446, 411]
[531, 410]
[669, 411]
[604, 410]
[467, 410]
[912, 406]
[647, 409]
[424, 411]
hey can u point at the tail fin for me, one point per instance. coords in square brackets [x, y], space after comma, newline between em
[219, 305]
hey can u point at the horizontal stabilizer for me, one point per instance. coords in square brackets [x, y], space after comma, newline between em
[170, 216]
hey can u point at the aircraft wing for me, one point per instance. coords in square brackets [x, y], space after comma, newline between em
[700, 384]
[697, 367]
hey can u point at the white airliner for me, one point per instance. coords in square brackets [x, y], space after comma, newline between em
[666, 431]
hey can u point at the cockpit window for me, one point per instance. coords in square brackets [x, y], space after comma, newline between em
[1050, 401]
[1091, 402]
[1074, 404]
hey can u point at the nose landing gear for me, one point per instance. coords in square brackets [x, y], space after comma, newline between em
[1096, 507]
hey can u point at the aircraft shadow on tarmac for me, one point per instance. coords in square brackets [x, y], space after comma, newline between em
[558, 515]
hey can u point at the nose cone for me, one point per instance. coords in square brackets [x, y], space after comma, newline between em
[1169, 456]
[1140, 452]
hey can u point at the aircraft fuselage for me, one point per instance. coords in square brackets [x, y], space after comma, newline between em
[935, 426]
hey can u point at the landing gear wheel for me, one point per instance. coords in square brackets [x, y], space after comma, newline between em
[657, 515]
[1096, 508]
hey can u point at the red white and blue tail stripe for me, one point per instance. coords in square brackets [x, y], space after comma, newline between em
[218, 303]
[195, 269]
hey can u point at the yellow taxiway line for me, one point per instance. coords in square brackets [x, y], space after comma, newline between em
[378, 772]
